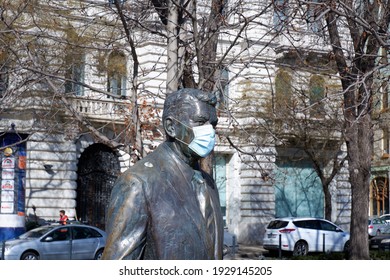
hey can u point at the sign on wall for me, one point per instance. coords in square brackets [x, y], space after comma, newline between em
[12, 174]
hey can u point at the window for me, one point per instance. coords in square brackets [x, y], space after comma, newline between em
[298, 190]
[316, 95]
[313, 10]
[385, 99]
[112, 2]
[220, 172]
[310, 224]
[223, 89]
[277, 224]
[283, 89]
[327, 226]
[385, 141]
[3, 78]
[384, 91]
[75, 73]
[280, 14]
[83, 233]
[117, 74]
[74, 63]
[60, 234]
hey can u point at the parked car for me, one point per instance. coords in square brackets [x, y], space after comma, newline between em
[303, 235]
[381, 241]
[386, 217]
[56, 242]
[376, 225]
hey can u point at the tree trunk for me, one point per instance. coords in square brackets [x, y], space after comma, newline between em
[208, 62]
[359, 155]
[328, 202]
[358, 131]
[209, 52]
[172, 51]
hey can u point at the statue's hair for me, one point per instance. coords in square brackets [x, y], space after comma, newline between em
[173, 105]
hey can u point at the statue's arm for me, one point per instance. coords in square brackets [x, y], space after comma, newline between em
[126, 220]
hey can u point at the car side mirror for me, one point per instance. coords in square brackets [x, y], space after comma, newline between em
[339, 230]
[48, 239]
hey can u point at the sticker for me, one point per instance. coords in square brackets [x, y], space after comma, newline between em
[7, 196]
[7, 185]
[7, 207]
[7, 174]
[8, 162]
[8, 152]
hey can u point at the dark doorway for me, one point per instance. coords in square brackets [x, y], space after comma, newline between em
[98, 169]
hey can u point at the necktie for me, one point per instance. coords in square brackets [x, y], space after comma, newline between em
[206, 207]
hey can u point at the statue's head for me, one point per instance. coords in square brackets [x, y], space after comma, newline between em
[189, 119]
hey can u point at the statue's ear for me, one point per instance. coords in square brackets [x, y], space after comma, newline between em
[169, 127]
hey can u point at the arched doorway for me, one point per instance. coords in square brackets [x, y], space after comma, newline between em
[379, 196]
[98, 169]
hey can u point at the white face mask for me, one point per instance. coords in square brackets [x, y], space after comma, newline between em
[204, 139]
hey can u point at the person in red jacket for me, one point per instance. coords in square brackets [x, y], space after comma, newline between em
[63, 217]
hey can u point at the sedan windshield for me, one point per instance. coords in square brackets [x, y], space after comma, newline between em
[35, 233]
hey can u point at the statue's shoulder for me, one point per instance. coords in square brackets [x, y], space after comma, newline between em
[149, 166]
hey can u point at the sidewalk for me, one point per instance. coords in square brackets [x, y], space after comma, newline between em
[248, 252]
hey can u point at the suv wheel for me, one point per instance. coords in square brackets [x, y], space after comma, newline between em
[300, 248]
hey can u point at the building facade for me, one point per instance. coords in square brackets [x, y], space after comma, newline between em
[53, 159]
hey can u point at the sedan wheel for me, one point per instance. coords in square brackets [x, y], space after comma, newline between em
[300, 248]
[98, 254]
[30, 256]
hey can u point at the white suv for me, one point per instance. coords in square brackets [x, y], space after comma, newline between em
[303, 235]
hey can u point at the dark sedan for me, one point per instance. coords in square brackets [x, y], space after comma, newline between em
[55, 242]
[381, 241]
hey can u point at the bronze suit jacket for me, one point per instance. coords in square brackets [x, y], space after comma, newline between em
[154, 213]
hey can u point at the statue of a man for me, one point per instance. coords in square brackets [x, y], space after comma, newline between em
[164, 207]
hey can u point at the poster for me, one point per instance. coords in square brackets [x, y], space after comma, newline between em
[7, 196]
[7, 208]
[8, 174]
[8, 163]
[7, 185]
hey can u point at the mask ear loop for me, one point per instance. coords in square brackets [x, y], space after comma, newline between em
[181, 123]
[186, 126]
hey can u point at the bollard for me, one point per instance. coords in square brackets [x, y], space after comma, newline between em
[3, 250]
[280, 246]
[234, 245]
[323, 242]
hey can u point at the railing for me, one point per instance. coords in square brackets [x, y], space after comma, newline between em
[101, 109]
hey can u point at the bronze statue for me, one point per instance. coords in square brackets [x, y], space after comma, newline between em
[164, 207]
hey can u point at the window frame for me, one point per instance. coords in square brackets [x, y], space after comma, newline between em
[116, 77]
